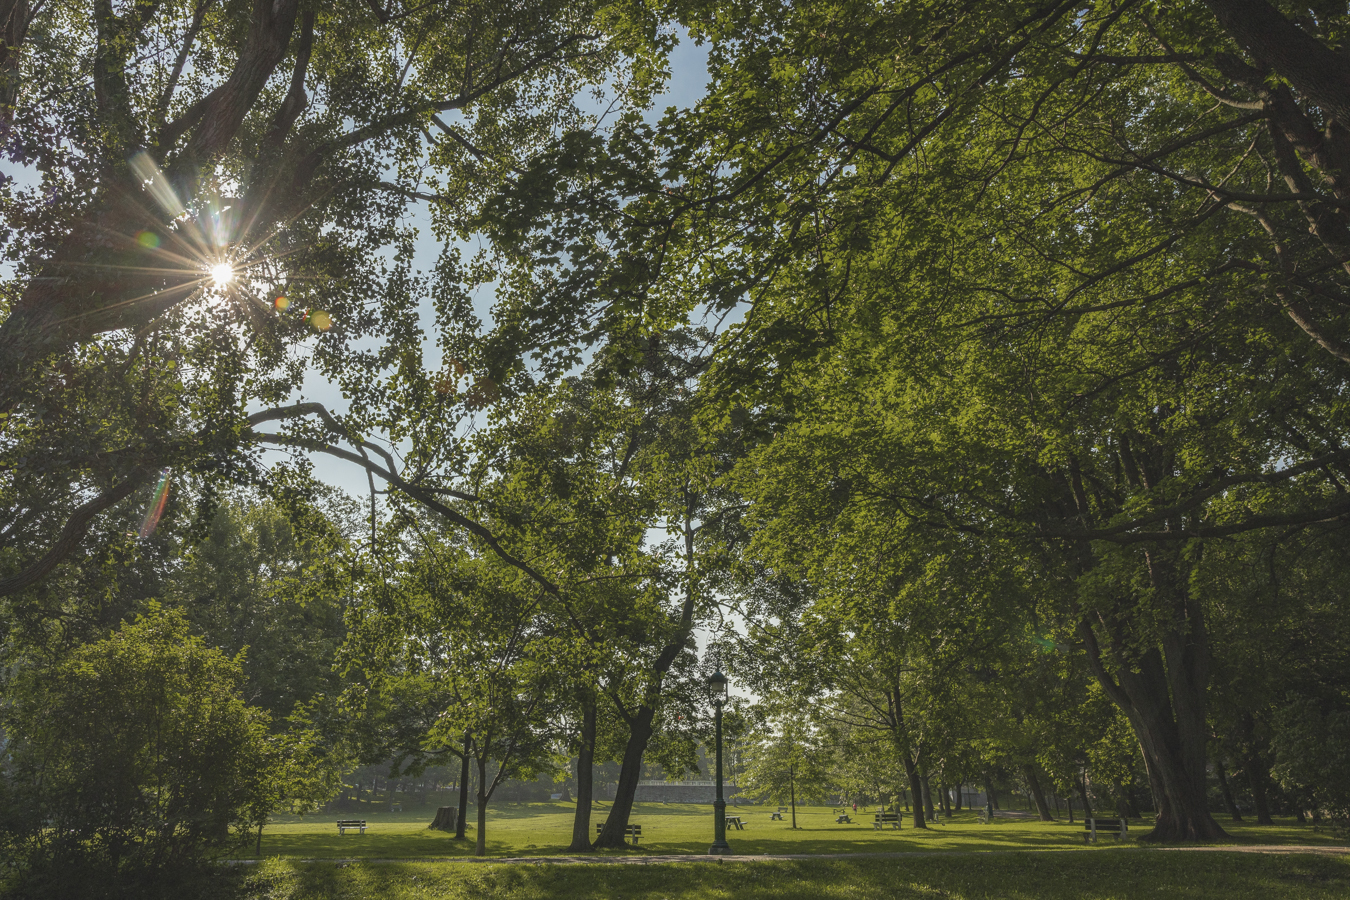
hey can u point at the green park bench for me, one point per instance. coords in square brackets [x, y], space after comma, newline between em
[632, 831]
[344, 824]
[1093, 827]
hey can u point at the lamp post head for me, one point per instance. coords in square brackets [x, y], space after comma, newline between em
[717, 684]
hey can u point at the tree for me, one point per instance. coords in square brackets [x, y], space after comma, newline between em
[271, 583]
[215, 206]
[460, 645]
[1065, 270]
[134, 756]
[785, 758]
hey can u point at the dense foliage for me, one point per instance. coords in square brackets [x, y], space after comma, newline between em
[970, 374]
[132, 756]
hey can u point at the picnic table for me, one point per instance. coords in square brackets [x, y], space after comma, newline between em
[344, 824]
[735, 822]
[843, 819]
[776, 817]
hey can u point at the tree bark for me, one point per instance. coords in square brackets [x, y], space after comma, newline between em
[1229, 803]
[480, 847]
[15, 16]
[1037, 795]
[1255, 770]
[927, 796]
[1161, 690]
[1125, 807]
[990, 797]
[792, 797]
[445, 819]
[581, 822]
[1083, 791]
[1273, 41]
[915, 789]
[630, 772]
[463, 789]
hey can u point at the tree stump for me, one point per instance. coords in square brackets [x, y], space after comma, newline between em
[445, 819]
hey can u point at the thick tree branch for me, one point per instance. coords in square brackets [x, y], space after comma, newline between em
[76, 527]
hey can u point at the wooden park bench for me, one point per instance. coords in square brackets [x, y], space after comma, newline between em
[886, 818]
[1091, 828]
[351, 823]
[735, 822]
[632, 831]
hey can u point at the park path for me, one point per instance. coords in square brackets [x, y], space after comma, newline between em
[1279, 849]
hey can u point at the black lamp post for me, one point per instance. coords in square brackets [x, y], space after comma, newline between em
[717, 684]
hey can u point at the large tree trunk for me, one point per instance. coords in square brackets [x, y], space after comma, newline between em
[1161, 690]
[1037, 795]
[463, 789]
[445, 819]
[792, 797]
[630, 772]
[1229, 803]
[480, 848]
[990, 797]
[581, 823]
[1314, 69]
[927, 796]
[1083, 791]
[1125, 807]
[915, 789]
[1255, 771]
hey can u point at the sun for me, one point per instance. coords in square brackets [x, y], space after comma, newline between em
[222, 274]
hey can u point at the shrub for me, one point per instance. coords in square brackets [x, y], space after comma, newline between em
[132, 758]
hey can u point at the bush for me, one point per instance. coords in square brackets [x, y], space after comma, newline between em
[133, 758]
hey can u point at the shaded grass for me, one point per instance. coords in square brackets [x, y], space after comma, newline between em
[1118, 874]
[543, 829]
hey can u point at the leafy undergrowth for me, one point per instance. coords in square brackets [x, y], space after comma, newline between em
[1213, 875]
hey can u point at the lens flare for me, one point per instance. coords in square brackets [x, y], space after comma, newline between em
[321, 320]
[148, 239]
[280, 304]
[156, 508]
[222, 273]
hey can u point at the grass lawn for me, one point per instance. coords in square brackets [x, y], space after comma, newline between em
[544, 829]
[1116, 874]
